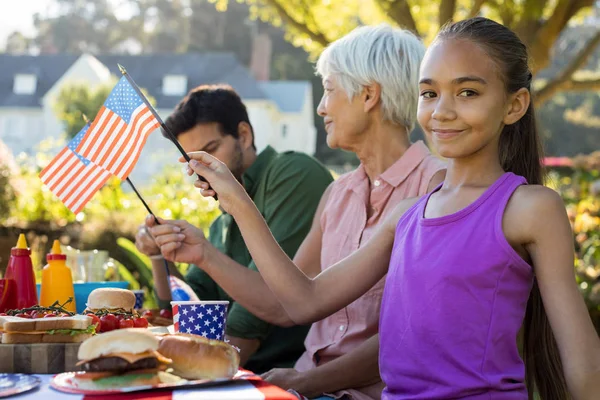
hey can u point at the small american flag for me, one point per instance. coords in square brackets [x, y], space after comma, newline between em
[204, 319]
[181, 291]
[119, 131]
[139, 299]
[73, 178]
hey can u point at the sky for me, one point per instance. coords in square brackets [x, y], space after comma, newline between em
[18, 15]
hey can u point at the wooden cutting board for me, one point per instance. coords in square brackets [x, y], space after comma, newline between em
[39, 358]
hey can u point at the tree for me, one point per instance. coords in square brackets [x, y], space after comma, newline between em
[17, 43]
[313, 24]
[79, 25]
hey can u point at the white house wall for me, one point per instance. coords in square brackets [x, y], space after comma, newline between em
[88, 70]
[263, 117]
[22, 129]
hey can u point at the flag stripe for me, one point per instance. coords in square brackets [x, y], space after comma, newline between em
[72, 176]
[89, 139]
[128, 140]
[73, 182]
[54, 165]
[65, 167]
[147, 128]
[108, 152]
[102, 135]
[118, 139]
[96, 185]
[85, 175]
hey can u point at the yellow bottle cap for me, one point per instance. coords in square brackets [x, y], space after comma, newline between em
[56, 247]
[55, 253]
[22, 242]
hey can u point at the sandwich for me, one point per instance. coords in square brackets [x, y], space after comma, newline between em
[122, 358]
[110, 300]
[69, 329]
[195, 357]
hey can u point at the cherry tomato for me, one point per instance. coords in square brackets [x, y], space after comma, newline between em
[50, 315]
[166, 314]
[126, 323]
[120, 317]
[95, 320]
[108, 323]
[140, 322]
[23, 315]
[147, 314]
[3, 314]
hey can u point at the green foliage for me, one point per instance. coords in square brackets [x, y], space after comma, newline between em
[580, 191]
[109, 221]
[7, 195]
[138, 262]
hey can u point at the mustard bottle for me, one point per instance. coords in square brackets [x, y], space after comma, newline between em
[57, 281]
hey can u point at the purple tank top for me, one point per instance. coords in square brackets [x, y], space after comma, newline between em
[454, 300]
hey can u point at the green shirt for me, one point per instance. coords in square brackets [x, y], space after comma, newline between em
[286, 188]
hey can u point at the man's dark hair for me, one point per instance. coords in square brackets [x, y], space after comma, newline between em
[207, 104]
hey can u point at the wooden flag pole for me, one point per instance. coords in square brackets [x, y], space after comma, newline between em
[159, 119]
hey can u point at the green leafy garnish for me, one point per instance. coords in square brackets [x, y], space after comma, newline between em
[90, 329]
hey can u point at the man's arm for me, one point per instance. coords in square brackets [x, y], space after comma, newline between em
[247, 347]
[355, 369]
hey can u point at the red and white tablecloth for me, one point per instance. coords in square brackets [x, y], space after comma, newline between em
[243, 389]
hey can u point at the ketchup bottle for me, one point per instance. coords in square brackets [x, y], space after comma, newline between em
[20, 270]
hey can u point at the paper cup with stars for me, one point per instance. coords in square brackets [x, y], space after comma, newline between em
[139, 299]
[204, 318]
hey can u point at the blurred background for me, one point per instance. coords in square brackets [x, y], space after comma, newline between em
[58, 59]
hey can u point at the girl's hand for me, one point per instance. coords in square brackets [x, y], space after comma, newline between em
[179, 241]
[221, 181]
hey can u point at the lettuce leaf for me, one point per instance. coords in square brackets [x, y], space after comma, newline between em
[89, 330]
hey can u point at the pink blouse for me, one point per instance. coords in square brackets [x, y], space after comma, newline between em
[346, 226]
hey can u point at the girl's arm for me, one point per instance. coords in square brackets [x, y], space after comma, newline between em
[305, 300]
[548, 239]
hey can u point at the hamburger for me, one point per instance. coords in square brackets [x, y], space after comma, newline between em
[195, 357]
[110, 300]
[121, 358]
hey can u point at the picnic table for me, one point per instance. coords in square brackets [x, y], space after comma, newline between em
[248, 388]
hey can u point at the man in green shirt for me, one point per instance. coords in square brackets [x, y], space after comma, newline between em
[286, 188]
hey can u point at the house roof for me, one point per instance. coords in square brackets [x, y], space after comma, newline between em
[48, 69]
[147, 70]
[288, 95]
[200, 68]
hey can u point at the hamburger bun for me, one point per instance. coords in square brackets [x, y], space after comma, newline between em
[111, 299]
[130, 340]
[195, 357]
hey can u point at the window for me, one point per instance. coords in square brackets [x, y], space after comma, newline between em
[284, 129]
[25, 84]
[174, 85]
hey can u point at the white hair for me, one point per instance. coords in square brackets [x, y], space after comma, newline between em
[378, 54]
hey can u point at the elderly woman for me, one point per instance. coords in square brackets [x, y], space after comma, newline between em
[369, 107]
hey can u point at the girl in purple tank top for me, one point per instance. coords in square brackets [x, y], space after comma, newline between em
[469, 264]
